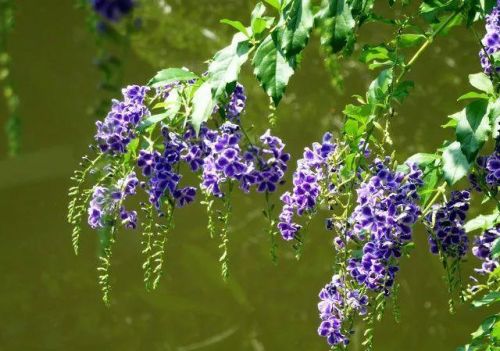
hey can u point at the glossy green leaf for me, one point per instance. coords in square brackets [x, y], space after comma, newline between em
[338, 24]
[298, 20]
[481, 82]
[473, 128]
[422, 159]
[377, 91]
[272, 68]
[455, 164]
[226, 65]
[237, 25]
[482, 222]
[274, 3]
[402, 90]
[431, 179]
[487, 299]
[258, 22]
[203, 105]
[485, 327]
[495, 249]
[170, 75]
[473, 95]
[410, 40]
[494, 116]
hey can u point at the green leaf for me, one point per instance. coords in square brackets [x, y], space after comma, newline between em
[431, 179]
[494, 116]
[485, 327]
[272, 69]
[274, 3]
[237, 25]
[452, 123]
[377, 91]
[402, 90]
[422, 159]
[482, 82]
[172, 105]
[482, 222]
[170, 75]
[298, 20]
[360, 113]
[455, 164]
[258, 22]
[226, 65]
[203, 105]
[487, 299]
[495, 250]
[338, 24]
[473, 128]
[410, 40]
[473, 95]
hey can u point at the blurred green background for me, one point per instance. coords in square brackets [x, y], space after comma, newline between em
[50, 300]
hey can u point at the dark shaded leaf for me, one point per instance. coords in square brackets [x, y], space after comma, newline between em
[298, 20]
[272, 68]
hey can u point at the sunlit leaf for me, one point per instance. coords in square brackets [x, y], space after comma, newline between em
[473, 128]
[170, 75]
[237, 25]
[455, 164]
[482, 82]
[226, 65]
[203, 105]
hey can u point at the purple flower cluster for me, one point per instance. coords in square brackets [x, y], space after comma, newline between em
[489, 167]
[113, 10]
[237, 102]
[337, 301]
[385, 213]
[105, 202]
[117, 130]
[446, 226]
[162, 173]
[491, 40]
[483, 245]
[312, 169]
[225, 160]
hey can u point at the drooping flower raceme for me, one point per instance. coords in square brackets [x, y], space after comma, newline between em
[113, 10]
[219, 154]
[237, 102]
[385, 213]
[488, 171]
[229, 158]
[336, 302]
[482, 249]
[311, 170]
[446, 226]
[105, 202]
[118, 128]
[160, 169]
[491, 40]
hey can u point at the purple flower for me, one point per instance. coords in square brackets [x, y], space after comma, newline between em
[336, 302]
[185, 196]
[236, 103]
[116, 131]
[482, 248]
[311, 170]
[105, 201]
[491, 40]
[446, 226]
[113, 10]
[385, 213]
